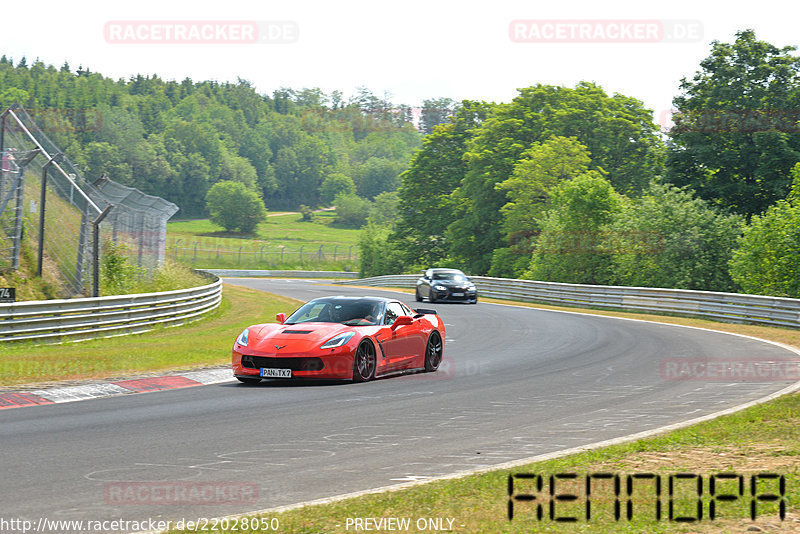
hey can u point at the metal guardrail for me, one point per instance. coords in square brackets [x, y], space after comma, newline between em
[87, 318]
[726, 307]
[245, 273]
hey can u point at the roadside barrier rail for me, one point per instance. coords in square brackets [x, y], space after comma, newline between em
[725, 307]
[87, 318]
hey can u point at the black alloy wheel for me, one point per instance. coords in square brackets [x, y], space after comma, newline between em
[364, 362]
[433, 352]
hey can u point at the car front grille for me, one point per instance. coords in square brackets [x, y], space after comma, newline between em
[295, 364]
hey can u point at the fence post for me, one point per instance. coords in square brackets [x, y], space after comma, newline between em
[177, 243]
[334, 252]
[82, 238]
[194, 259]
[18, 214]
[42, 205]
[301, 253]
[96, 250]
[239, 261]
[3, 130]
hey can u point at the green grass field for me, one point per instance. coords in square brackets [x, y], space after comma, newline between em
[283, 241]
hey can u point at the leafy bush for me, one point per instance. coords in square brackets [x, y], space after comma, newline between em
[378, 255]
[234, 207]
[668, 238]
[352, 211]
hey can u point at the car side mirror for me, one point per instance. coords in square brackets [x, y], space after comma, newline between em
[401, 321]
[281, 318]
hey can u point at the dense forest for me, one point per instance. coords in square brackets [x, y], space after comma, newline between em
[177, 139]
[566, 184]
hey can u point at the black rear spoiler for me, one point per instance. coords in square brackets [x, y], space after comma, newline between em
[424, 311]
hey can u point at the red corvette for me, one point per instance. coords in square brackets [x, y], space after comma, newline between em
[356, 338]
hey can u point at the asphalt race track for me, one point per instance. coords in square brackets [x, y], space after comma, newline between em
[514, 383]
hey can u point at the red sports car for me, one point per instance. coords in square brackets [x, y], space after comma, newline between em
[355, 338]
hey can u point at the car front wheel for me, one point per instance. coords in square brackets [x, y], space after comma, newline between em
[364, 362]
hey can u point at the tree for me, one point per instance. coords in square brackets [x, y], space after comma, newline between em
[376, 176]
[541, 169]
[335, 184]
[384, 210]
[234, 207]
[767, 261]
[569, 248]
[736, 134]
[669, 238]
[427, 206]
[352, 210]
[434, 112]
[617, 130]
[377, 256]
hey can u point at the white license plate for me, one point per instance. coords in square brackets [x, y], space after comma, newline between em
[276, 373]
[458, 294]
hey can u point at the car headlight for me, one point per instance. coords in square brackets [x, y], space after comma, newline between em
[439, 288]
[244, 337]
[337, 341]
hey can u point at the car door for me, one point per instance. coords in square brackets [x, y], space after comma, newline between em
[394, 339]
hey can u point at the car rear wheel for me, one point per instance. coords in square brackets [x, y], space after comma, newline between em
[249, 381]
[433, 352]
[417, 296]
[364, 362]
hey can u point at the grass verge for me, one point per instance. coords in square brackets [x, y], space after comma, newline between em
[204, 343]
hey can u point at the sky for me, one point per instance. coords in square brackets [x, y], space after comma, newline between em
[411, 50]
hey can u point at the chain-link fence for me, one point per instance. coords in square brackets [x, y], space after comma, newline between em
[68, 217]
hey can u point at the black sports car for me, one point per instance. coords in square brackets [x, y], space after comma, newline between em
[446, 285]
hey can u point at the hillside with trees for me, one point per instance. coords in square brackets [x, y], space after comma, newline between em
[177, 139]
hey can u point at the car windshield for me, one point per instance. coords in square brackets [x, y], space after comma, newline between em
[453, 275]
[349, 311]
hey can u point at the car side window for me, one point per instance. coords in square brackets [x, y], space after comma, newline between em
[393, 311]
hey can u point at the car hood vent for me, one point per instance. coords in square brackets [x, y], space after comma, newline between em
[297, 331]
